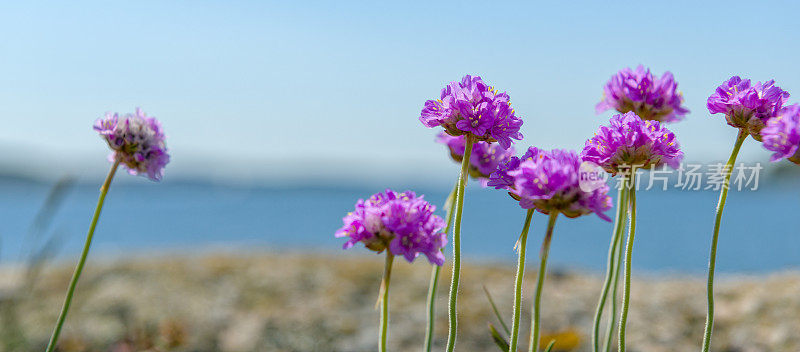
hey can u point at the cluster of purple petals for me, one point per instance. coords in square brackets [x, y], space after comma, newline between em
[473, 107]
[630, 141]
[747, 106]
[137, 141]
[549, 181]
[782, 134]
[401, 222]
[500, 179]
[648, 96]
[483, 160]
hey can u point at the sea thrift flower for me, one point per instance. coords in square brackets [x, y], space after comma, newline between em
[477, 111]
[630, 141]
[548, 181]
[483, 160]
[747, 106]
[137, 142]
[639, 91]
[782, 134]
[472, 107]
[401, 222]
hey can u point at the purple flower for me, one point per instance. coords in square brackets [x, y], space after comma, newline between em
[747, 106]
[401, 222]
[484, 159]
[137, 142]
[640, 92]
[549, 181]
[630, 141]
[472, 107]
[782, 134]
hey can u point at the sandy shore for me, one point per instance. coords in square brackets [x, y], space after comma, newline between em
[292, 302]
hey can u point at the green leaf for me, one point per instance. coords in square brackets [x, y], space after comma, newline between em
[496, 312]
[550, 346]
[498, 340]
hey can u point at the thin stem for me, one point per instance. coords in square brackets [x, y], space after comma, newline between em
[523, 240]
[51, 346]
[387, 276]
[612, 316]
[462, 181]
[723, 195]
[611, 266]
[496, 311]
[534, 343]
[435, 270]
[626, 289]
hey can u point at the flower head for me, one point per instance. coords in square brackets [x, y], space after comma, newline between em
[630, 141]
[483, 160]
[747, 106]
[549, 181]
[650, 97]
[137, 141]
[782, 134]
[401, 222]
[473, 107]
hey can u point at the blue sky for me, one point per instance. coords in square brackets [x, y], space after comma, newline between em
[293, 91]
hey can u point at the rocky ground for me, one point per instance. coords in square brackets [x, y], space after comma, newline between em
[323, 302]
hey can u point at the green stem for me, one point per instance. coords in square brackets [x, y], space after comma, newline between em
[523, 240]
[496, 311]
[534, 343]
[610, 266]
[462, 181]
[612, 316]
[387, 276]
[713, 256]
[435, 270]
[626, 288]
[51, 346]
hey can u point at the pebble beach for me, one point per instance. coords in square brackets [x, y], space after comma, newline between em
[271, 301]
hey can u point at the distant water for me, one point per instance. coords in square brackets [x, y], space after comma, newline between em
[760, 232]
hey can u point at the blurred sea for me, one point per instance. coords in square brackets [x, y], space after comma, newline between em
[760, 231]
